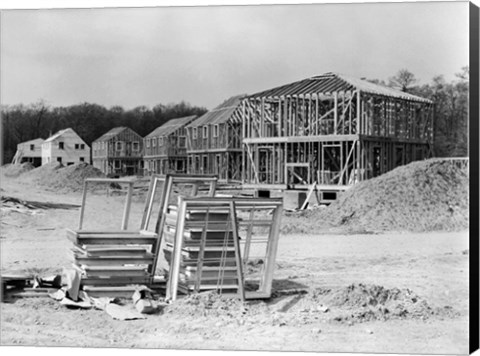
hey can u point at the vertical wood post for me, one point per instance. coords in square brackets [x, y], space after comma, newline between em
[128, 203]
[172, 287]
[82, 208]
[335, 113]
[244, 131]
[272, 247]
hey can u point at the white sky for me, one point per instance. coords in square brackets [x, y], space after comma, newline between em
[203, 55]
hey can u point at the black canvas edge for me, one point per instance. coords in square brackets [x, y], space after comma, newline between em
[474, 179]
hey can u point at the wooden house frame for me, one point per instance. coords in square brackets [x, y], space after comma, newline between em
[119, 152]
[214, 142]
[166, 147]
[65, 147]
[29, 151]
[331, 130]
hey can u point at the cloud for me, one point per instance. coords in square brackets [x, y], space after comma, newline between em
[145, 56]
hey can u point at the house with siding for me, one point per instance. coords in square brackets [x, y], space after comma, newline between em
[166, 147]
[29, 151]
[119, 152]
[65, 147]
[214, 141]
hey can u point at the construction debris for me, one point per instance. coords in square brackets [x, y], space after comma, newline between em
[15, 203]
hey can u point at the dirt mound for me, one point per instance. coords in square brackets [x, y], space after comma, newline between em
[212, 304]
[208, 304]
[359, 303]
[43, 172]
[351, 304]
[55, 176]
[431, 195]
[14, 170]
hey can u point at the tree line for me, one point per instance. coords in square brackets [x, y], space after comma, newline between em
[21, 123]
[450, 109]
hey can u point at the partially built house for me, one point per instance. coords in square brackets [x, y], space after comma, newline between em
[214, 142]
[332, 131]
[29, 151]
[166, 147]
[119, 152]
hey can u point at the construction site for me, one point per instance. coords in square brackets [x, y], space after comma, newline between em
[337, 226]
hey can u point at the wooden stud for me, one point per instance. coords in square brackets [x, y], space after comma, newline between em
[128, 203]
[82, 209]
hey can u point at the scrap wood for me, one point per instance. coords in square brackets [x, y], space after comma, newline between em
[123, 312]
[83, 300]
[143, 301]
[310, 191]
[72, 282]
[30, 204]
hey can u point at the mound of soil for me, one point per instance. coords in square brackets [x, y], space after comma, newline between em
[14, 170]
[204, 304]
[372, 302]
[355, 303]
[55, 176]
[431, 195]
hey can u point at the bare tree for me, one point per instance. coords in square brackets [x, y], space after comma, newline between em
[404, 80]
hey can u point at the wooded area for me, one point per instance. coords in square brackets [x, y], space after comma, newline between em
[25, 122]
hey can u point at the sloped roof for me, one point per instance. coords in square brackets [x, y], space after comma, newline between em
[58, 134]
[36, 140]
[334, 82]
[112, 133]
[171, 126]
[221, 113]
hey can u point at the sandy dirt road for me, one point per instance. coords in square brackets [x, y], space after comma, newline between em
[433, 266]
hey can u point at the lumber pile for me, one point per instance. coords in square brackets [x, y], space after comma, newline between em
[204, 244]
[112, 262]
[202, 247]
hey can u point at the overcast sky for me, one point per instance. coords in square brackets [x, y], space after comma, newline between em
[203, 55]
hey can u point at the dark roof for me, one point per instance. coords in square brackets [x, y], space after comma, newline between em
[112, 133]
[333, 82]
[221, 113]
[171, 126]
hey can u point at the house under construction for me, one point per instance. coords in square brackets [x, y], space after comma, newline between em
[214, 142]
[331, 130]
[118, 152]
[29, 151]
[166, 147]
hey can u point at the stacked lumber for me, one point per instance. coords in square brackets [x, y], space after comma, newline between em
[208, 256]
[112, 263]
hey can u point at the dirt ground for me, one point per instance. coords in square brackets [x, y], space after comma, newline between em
[332, 292]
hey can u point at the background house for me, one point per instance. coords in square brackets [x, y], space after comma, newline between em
[65, 147]
[118, 152]
[166, 147]
[29, 151]
[214, 141]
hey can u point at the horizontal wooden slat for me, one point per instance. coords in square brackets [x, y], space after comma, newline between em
[115, 240]
[114, 281]
[109, 291]
[114, 271]
[126, 252]
[205, 287]
[227, 277]
[116, 232]
[112, 261]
